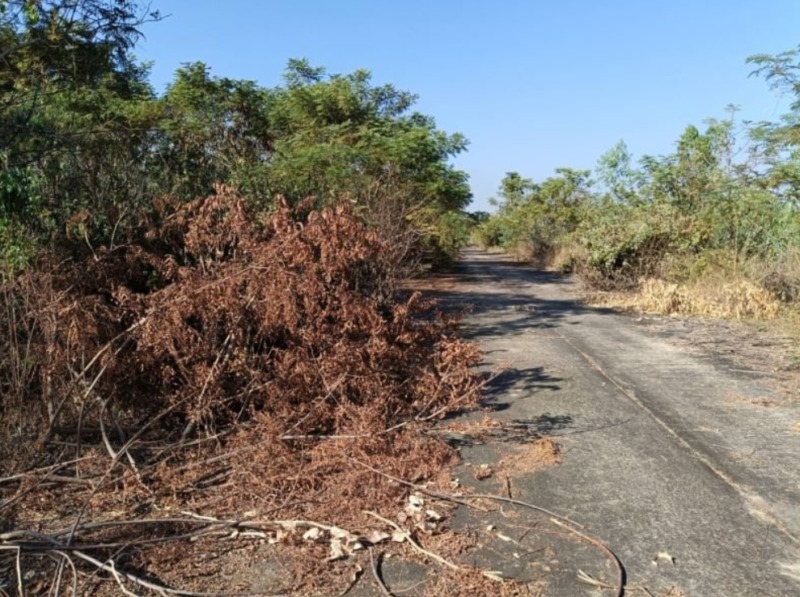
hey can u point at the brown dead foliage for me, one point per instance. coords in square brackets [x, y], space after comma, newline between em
[468, 582]
[225, 365]
[530, 457]
[220, 319]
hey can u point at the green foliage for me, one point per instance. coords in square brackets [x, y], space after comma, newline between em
[336, 135]
[534, 217]
[728, 195]
[454, 231]
[211, 130]
[87, 145]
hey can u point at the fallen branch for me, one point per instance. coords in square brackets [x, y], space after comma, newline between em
[375, 564]
[554, 518]
[163, 590]
[462, 499]
[407, 536]
[620, 581]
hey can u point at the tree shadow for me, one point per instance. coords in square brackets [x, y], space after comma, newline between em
[529, 380]
[514, 431]
[503, 298]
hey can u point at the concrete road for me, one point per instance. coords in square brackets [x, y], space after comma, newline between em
[664, 450]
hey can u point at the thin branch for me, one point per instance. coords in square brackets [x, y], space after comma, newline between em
[164, 590]
[620, 580]
[462, 498]
[375, 564]
[407, 536]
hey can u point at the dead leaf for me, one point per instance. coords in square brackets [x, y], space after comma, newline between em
[356, 573]
[416, 500]
[355, 546]
[482, 472]
[336, 551]
[340, 533]
[399, 536]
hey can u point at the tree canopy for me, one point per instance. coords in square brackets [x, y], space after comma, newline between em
[86, 144]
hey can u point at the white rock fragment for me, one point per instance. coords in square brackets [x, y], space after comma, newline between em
[375, 536]
[399, 536]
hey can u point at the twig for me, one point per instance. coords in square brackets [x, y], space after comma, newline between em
[43, 469]
[591, 580]
[118, 575]
[499, 498]
[20, 586]
[118, 579]
[407, 535]
[620, 581]
[55, 589]
[114, 462]
[74, 571]
[376, 572]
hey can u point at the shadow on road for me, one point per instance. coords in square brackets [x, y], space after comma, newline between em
[515, 431]
[528, 380]
[489, 287]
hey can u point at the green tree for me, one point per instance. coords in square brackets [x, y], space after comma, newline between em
[618, 175]
[336, 135]
[213, 130]
[72, 104]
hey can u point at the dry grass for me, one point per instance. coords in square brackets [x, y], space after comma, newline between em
[739, 299]
[781, 276]
[569, 258]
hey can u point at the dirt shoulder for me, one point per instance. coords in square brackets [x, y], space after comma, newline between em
[745, 347]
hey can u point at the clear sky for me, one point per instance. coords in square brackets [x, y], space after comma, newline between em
[534, 85]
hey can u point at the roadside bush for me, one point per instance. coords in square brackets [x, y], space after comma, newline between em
[623, 245]
[489, 234]
[780, 276]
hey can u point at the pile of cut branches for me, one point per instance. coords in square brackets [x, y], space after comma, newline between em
[216, 369]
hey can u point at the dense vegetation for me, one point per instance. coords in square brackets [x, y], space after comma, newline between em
[722, 209]
[199, 309]
[86, 144]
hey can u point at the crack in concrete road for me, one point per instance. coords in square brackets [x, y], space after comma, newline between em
[712, 480]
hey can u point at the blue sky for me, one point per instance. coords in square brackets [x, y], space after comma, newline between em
[534, 85]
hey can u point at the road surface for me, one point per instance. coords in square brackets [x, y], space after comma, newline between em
[663, 450]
